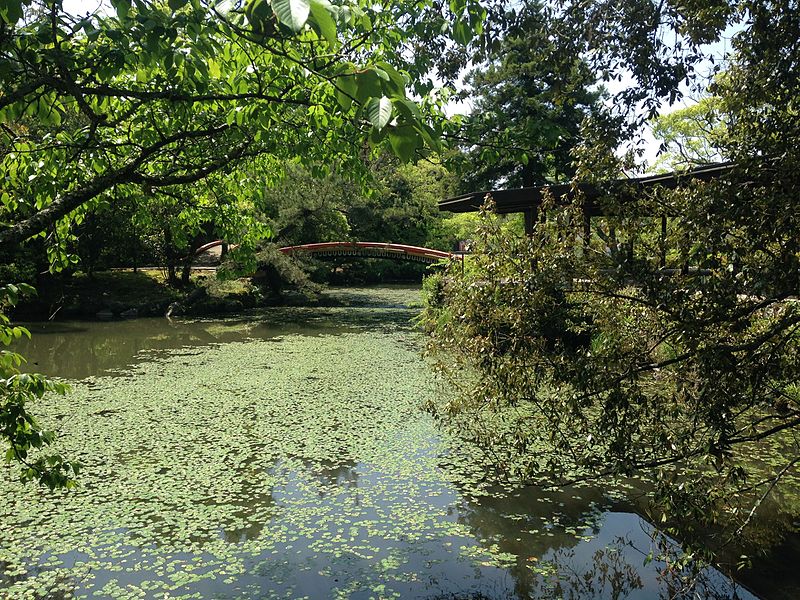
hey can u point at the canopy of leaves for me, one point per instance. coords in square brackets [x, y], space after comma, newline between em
[691, 136]
[157, 95]
[665, 335]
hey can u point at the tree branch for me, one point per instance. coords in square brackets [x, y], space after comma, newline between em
[126, 174]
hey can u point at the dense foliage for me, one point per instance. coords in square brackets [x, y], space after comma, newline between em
[398, 204]
[634, 348]
[691, 136]
[160, 95]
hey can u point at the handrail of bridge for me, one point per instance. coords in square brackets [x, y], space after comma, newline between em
[357, 247]
[209, 246]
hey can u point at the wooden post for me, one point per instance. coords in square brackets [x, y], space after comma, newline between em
[530, 215]
[530, 222]
[587, 230]
[663, 259]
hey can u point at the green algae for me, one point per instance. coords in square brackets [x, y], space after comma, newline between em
[247, 461]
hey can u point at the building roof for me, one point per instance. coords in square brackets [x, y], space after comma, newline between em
[525, 199]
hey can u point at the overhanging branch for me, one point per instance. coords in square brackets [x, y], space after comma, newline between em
[129, 173]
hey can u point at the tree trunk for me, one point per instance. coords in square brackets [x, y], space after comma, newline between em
[170, 257]
[186, 272]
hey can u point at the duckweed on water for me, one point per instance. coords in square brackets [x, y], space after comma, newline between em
[242, 468]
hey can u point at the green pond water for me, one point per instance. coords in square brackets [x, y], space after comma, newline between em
[284, 454]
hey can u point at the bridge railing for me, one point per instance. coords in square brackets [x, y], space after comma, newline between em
[373, 250]
[366, 249]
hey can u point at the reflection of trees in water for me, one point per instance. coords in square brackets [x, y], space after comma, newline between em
[239, 494]
[77, 351]
[340, 474]
[74, 350]
[541, 530]
[775, 574]
[253, 502]
[523, 525]
[771, 542]
[80, 350]
[254, 499]
[681, 578]
[608, 575]
[615, 571]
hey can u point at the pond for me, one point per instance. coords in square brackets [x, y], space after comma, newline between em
[284, 454]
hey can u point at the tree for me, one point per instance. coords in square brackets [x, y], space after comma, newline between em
[304, 209]
[592, 358]
[529, 100]
[402, 206]
[155, 96]
[691, 136]
[18, 427]
[162, 95]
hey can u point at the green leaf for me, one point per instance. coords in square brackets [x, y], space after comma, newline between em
[404, 141]
[346, 90]
[122, 7]
[379, 111]
[177, 4]
[376, 136]
[462, 32]
[261, 16]
[322, 13]
[369, 86]
[457, 6]
[430, 137]
[407, 108]
[395, 77]
[26, 288]
[292, 13]
[381, 73]
[11, 10]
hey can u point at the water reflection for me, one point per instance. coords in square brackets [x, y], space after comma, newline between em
[77, 350]
[579, 544]
[337, 475]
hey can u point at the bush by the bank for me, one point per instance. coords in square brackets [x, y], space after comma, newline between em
[125, 294]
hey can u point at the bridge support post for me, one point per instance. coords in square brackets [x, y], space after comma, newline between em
[530, 220]
[587, 230]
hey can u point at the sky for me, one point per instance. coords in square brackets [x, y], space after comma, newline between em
[81, 7]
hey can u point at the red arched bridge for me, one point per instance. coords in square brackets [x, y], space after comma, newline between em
[365, 249]
[371, 250]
